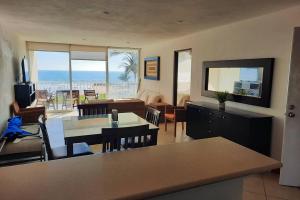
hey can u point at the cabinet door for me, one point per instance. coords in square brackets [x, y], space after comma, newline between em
[236, 129]
[197, 122]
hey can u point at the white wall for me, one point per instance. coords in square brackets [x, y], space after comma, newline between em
[12, 49]
[266, 36]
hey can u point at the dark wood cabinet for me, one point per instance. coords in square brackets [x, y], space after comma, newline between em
[249, 129]
[25, 94]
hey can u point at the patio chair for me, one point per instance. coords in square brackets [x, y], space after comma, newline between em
[90, 95]
[44, 98]
[67, 98]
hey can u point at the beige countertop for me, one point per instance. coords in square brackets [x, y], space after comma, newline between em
[133, 174]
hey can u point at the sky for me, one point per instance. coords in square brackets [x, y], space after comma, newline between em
[60, 61]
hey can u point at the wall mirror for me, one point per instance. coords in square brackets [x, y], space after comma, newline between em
[247, 81]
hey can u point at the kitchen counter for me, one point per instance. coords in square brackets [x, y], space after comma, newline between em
[135, 174]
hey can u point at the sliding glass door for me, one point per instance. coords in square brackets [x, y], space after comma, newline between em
[89, 73]
[50, 72]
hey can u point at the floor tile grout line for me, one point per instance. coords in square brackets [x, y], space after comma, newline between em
[262, 177]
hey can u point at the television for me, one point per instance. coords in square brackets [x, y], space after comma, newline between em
[25, 70]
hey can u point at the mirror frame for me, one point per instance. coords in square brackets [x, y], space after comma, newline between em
[266, 63]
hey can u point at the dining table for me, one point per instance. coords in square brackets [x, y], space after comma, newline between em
[88, 129]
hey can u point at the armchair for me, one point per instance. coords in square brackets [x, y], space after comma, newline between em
[29, 115]
[177, 113]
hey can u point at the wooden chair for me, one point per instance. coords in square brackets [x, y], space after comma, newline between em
[178, 114]
[29, 115]
[92, 109]
[153, 116]
[134, 137]
[90, 94]
[79, 149]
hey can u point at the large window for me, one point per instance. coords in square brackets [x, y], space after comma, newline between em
[50, 71]
[123, 72]
[89, 72]
[111, 72]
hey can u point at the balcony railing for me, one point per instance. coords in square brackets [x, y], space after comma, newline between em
[114, 90]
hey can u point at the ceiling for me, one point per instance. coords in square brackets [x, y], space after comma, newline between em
[125, 22]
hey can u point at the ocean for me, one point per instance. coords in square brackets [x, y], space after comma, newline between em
[88, 76]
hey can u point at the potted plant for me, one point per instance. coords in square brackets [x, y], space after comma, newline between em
[222, 98]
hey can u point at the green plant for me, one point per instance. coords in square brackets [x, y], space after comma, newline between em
[222, 96]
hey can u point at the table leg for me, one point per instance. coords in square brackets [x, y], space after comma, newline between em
[69, 149]
[56, 99]
[154, 137]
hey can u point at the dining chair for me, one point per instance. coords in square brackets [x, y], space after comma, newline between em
[153, 116]
[124, 138]
[92, 109]
[79, 149]
[178, 114]
[90, 94]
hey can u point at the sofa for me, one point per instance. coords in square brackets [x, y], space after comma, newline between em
[149, 96]
[30, 114]
[136, 105]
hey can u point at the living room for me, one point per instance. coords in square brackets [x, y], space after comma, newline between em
[262, 30]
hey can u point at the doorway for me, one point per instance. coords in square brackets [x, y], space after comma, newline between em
[182, 75]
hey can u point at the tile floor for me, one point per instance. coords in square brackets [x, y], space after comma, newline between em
[256, 187]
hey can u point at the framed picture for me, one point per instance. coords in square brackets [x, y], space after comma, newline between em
[152, 68]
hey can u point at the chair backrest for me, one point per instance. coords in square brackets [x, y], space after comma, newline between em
[75, 93]
[153, 116]
[135, 136]
[184, 99]
[43, 128]
[89, 93]
[92, 109]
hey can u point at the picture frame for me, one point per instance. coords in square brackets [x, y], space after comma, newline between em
[152, 68]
